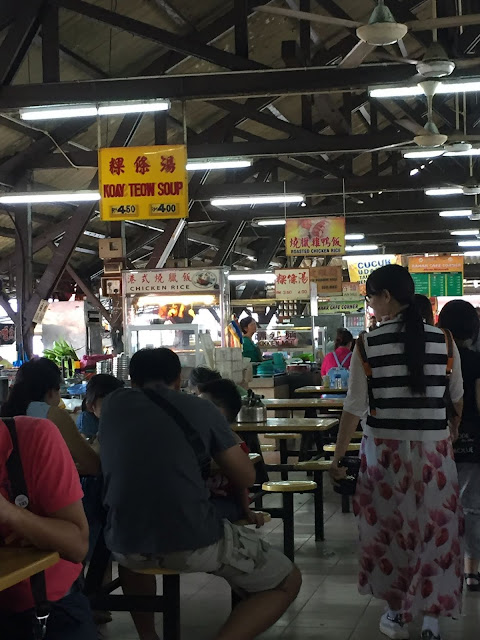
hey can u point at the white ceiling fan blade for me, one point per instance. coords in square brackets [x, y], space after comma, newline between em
[357, 55]
[444, 23]
[311, 17]
[389, 146]
[385, 55]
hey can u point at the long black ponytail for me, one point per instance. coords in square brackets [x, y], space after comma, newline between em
[34, 380]
[399, 283]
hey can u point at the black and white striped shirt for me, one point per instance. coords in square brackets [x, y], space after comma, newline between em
[400, 413]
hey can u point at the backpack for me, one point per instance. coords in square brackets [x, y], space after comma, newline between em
[340, 370]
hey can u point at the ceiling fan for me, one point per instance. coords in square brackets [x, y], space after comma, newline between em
[428, 138]
[382, 28]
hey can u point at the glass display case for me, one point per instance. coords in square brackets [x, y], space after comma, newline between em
[298, 336]
[176, 308]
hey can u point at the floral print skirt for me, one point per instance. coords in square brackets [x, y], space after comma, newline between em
[411, 525]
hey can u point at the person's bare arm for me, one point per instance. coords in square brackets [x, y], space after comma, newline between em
[85, 457]
[65, 531]
[236, 466]
[454, 422]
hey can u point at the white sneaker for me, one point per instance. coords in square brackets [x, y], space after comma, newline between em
[427, 634]
[394, 628]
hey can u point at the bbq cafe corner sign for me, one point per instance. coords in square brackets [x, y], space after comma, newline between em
[143, 183]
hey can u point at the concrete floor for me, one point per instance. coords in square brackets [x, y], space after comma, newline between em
[328, 606]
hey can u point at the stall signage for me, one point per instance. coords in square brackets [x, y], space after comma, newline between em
[292, 284]
[143, 183]
[7, 334]
[360, 267]
[315, 236]
[327, 279]
[341, 306]
[437, 275]
[172, 281]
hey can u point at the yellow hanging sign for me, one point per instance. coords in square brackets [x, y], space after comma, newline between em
[143, 183]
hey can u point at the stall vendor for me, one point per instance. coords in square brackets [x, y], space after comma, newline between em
[250, 349]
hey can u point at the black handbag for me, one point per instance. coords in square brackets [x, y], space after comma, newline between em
[347, 486]
[18, 494]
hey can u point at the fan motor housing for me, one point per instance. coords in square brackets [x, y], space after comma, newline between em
[435, 68]
[382, 33]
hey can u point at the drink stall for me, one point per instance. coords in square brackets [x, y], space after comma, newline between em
[183, 309]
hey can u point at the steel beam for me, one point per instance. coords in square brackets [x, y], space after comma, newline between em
[90, 296]
[241, 27]
[18, 39]
[269, 251]
[213, 86]
[165, 244]
[50, 45]
[229, 239]
[182, 44]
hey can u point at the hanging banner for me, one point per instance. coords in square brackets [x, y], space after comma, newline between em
[327, 279]
[315, 236]
[437, 275]
[360, 267]
[292, 284]
[143, 183]
[172, 281]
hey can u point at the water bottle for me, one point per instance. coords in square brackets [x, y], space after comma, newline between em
[338, 381]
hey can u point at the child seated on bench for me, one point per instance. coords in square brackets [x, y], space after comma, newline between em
[232, 504]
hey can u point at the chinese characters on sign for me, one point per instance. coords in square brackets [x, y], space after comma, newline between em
[143, 182]
[327, 279]
[292, 284]
[437, 276]
[172, 281]
[315, 236]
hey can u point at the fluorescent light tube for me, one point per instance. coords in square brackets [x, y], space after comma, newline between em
[471, 253]
[354, 236]
[457, 213]
[61, 111]
[469, 243]
[444, 191]
[273, 222]
[91, 110]
[470, 152]
[361, 247]
[465, 232]
[248, 200]
[208, 165]
[416, 90]
[458, 87]
[50, 197]
[258, 277]
[426, 153]
[414, 172]
[133, 107]
[395, 92]
[94, 234]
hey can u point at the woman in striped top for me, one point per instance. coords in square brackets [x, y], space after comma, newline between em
[407, 500]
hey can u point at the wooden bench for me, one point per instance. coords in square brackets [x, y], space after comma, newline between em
[287, 488]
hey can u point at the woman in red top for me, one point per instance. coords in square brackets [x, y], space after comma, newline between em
[343, 349]
[54, 521]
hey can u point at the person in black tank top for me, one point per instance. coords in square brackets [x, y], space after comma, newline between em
[461, 319]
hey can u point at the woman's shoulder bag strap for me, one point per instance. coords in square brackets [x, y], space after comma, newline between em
[368, 370]
[19, 496]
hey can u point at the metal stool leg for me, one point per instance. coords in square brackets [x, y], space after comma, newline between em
[318, 503]
[284, 457]
[288, 526]
[171, 607]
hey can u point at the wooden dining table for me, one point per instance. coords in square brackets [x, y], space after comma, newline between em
[286, 425]
[18, 564]
[292, 404]
[316, 390]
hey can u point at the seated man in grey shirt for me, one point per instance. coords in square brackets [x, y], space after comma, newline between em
[159, 513]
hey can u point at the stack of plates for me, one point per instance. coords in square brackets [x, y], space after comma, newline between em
[120, 367]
